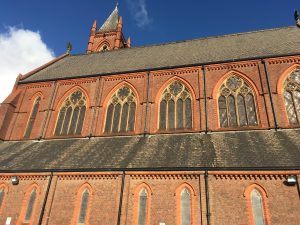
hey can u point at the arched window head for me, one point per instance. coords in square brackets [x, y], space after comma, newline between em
[237, 107]
[71, 115]
[257, 208]
[120, 116]
[292, 97]
[30, 206]
[83, 207]
[142, 207]
[32, 117]
[175, 107]
[185, 207]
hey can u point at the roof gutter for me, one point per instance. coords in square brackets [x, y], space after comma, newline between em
[164, 67]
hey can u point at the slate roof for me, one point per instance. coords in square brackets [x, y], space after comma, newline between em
[258, 44]
[112, 22]
[251, 149]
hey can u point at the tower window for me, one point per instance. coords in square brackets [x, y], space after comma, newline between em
[120, 116]
[175, 107]
[292, 97]
[32, 117]
[71, 115]
[236, 102]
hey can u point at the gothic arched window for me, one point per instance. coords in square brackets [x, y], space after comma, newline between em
[185, 207]
[175, 107]
[257, 208]
[292, 97]
[83, 207]
[120, 116]
[2, 195]
[237, 107]
[30, 206]
[71, 115]
[32, 117]
[142, 207]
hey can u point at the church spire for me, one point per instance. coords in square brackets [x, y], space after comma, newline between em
[112, 21]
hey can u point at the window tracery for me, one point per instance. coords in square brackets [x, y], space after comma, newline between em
[292, 97]
[32, 117]
[120, 116]
[175, 109]
[71, 115]
[236, 102]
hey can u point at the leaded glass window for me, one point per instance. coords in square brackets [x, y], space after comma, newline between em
[83, 207]
[185, 207]
[237, 107]
[2, 193]
[71, 115]
[175, 107]
[32, 117]
[257, 208]
[292, 97]
[120, 116]
[142, 207]
[30, 205]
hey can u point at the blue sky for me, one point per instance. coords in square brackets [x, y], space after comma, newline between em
[169, 20]
[33, 32]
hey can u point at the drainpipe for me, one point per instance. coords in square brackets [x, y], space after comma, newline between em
[270, 93]
[147, 105]
[207, 198]
[205, 100]
[45, 200]
[121, 199]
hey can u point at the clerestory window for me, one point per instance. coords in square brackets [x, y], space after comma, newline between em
[71, 115]
[175, 107]
[236, 101]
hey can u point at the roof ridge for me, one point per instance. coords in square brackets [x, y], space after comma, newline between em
[189, 40]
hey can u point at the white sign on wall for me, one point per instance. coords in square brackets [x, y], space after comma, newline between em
[8, 221]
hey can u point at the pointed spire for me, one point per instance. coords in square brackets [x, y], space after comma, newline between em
[112, 21]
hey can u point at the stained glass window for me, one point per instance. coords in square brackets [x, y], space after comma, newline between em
[83, 207]
[32, 117]
[71, 115]
[175, 107]
[236, 102]
[185, 207]
[120, 116]
[257, 208]
[30, 206]
[292, 97]
[142, 207]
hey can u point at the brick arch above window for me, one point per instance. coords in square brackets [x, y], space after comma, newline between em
[101, 47]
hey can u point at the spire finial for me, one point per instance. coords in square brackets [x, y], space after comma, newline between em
[69, 48]
[117, 4]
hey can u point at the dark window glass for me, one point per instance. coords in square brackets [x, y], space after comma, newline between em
[185, 207]
[1, 196]
[71, 115]
[257, 208]
[83, 207]
[236, 103]
[30, 206]
[142, 212]
[121, 111]
[292, 97]
[175, 107]
[32, 117]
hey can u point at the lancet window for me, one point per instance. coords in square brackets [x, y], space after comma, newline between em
[237, 107]
[257, 208]
[292, 97]
[185, 207]
[2, 194]
[175, 107]
[142, 207]
[83, 207]
[71, 115]
[120, 116]
[30, 206]
[32, 117]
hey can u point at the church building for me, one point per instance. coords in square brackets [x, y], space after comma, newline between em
[195, 132]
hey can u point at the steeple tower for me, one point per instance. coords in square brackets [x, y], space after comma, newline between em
[109, 36]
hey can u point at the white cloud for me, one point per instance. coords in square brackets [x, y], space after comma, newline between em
[139, 11]
[21, 51]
